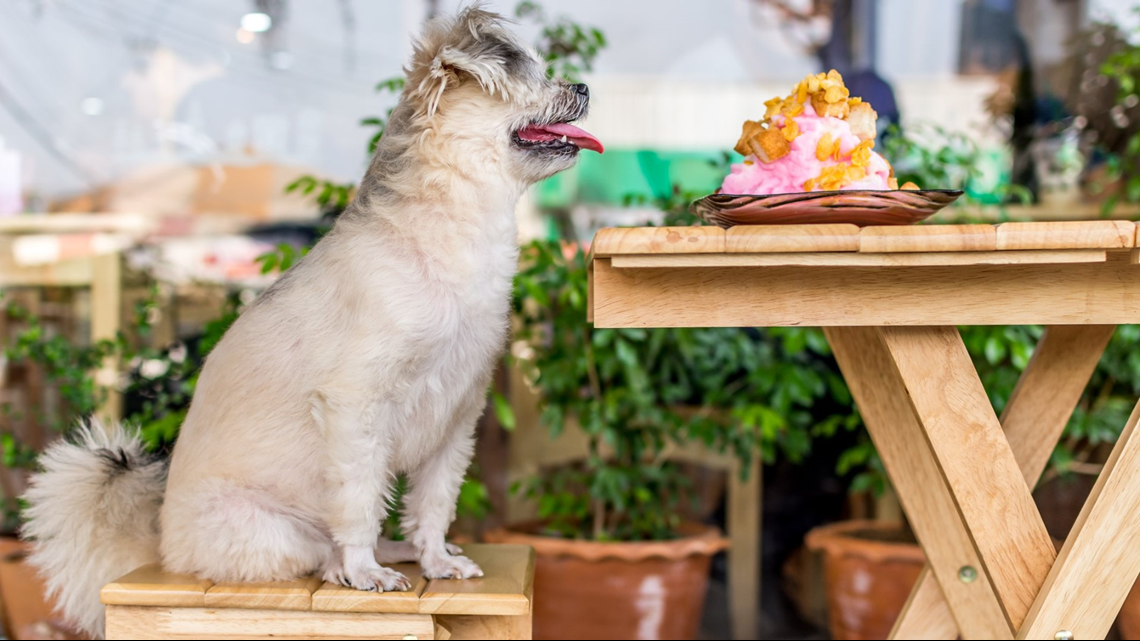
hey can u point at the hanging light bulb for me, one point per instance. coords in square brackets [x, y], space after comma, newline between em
[256, 22]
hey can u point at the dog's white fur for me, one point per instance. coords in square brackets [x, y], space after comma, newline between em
[371, 357]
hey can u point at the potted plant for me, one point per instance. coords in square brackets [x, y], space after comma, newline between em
[615, 557]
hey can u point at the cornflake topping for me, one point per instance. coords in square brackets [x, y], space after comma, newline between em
[829, 96]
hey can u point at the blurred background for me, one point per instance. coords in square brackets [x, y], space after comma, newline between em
[162, 161]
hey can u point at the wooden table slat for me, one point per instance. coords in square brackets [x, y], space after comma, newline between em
[859, 259]
[658, 240]
[1097, 234]
[762, 239]
[748, 239]
[928, 238]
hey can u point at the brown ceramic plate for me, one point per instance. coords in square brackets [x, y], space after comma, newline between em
[861, 208]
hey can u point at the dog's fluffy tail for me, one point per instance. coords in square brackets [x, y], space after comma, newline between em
[92, 516]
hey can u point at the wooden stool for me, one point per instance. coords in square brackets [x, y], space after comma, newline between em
[151, 604]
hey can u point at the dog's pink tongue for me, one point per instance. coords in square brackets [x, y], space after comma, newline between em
[580, 137]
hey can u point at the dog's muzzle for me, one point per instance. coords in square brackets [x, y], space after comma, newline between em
[560, 138]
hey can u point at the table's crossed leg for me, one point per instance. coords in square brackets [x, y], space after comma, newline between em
[965, 483]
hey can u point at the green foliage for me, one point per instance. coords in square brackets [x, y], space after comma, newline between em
[637, 393]
[281, 258]
[65, 365]
[503, 411]
[935, 158]
[1124, 67]
[474, 501]
[568, 47]
[931, 157]
[391, 86]
[332, 197]
[162, 377]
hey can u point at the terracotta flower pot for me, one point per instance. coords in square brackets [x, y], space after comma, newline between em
[869, 568]
[27, 614]
[643, 590]
[1128, 623]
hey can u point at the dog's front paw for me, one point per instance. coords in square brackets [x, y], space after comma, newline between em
[371, 579]
[450, 567]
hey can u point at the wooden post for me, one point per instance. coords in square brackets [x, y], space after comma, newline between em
[745, 503]
[106, 318]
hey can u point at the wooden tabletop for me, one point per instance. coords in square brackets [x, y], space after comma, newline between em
[505, 590]
[833, 275]
[800, 239]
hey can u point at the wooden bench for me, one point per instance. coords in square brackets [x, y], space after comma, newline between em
[151, 604]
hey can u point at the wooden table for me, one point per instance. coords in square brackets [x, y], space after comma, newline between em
[889, 299]
[151, 604]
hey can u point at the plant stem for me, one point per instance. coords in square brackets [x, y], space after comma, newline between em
[591, 366]
[599, 519]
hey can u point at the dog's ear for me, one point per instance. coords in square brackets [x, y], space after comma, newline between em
[468, 45]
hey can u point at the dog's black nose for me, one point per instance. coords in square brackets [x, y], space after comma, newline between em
[582, 90]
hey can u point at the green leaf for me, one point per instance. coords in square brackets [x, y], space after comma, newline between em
[503, 411]
[392, 85]
[626, 354]
[995, 350]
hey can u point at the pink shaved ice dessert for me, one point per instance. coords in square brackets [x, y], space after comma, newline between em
[817, 139]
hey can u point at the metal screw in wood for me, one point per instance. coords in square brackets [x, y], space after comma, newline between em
[967, 574]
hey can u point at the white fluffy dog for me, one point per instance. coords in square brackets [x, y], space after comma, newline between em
[370, 358]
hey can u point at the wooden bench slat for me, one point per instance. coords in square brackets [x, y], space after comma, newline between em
[504, 590]
[149, 585]
[134, 622]
[280, 595]
[337, 598]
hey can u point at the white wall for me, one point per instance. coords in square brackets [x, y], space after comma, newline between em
[919, 39]
[1120, 11]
